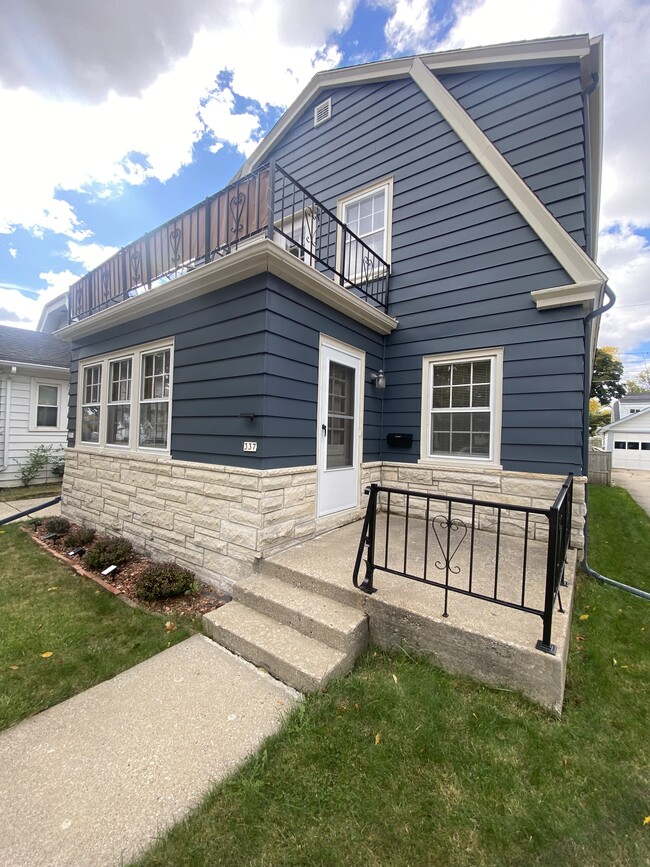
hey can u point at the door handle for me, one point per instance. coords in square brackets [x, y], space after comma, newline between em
[324, 428]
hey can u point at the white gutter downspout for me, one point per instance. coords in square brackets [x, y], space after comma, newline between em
[5, 443]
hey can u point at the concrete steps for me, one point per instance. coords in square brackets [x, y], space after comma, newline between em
[299, 636]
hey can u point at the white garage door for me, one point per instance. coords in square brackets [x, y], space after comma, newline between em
[631, 452]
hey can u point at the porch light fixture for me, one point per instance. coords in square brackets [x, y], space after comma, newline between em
[378, 379]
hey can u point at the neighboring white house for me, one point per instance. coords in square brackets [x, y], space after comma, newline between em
[34, 384]
[628, 436]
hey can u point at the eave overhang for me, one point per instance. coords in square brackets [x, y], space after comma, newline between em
[258, 257]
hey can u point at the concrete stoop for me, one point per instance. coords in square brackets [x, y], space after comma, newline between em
[299, 636]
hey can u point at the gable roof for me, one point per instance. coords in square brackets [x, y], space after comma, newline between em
[20, 346]
[641, 397]
[628, 418]
[588, 279]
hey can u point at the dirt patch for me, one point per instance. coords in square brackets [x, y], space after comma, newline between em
[123, 581]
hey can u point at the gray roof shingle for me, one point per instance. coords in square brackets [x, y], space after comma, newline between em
[20, 346]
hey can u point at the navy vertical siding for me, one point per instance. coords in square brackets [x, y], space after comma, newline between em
[464, 261]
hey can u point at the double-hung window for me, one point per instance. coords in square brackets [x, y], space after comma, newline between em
[46, 405]
[367, 214]
[461, 411]
[124, 399]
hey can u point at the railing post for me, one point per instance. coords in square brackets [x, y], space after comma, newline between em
[147, 257]
[270, 205]
[208, 228]
[343, 239]
[367, 541]
[544, 644]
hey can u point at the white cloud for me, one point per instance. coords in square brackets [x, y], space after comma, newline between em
[625, 257]
[13, 252]
[409, 28]
[89, 256]
[220, 120]
[270, 49]
[23, 311]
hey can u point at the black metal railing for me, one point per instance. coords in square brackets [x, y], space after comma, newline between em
[432, 538]
[267, 203]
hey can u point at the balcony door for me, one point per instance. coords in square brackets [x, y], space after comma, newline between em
[339, 426]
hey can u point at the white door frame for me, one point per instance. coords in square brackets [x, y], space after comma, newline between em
[338, 490]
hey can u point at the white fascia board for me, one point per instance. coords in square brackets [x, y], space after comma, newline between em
[28, 365]
[255, 258]
[568, 254]
[563, 49]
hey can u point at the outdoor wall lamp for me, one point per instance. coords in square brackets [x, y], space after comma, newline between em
[378, 379]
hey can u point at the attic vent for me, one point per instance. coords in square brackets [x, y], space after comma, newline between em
[323, 112]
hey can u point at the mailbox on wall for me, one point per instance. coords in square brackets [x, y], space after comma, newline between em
[399, 440]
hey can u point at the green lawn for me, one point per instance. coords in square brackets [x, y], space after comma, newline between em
[402, 764]
[31, 492]
[47, 608]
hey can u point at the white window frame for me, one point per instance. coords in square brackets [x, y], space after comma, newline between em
[495, 356]
[61, 417]
[385, 185]
[136, 355]
[299, 219]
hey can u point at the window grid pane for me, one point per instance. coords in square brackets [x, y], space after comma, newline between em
[154, 400]
[460, 415]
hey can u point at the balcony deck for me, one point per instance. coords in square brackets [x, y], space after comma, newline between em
[267, 203]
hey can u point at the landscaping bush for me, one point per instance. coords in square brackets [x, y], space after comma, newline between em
[108, 551]
[56, 524]
[162, 580]
[80, 537]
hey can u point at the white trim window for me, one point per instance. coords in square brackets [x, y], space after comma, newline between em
[368, 214]
[461, 402]
[125, 392]
[46, 402]
[154, 399]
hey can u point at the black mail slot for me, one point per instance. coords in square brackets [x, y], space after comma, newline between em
[399, 440]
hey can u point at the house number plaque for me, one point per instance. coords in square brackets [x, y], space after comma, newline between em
[250, 447]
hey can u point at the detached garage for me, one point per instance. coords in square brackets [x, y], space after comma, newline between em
[628, 438]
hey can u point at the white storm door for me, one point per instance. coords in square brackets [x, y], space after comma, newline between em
[339, 427]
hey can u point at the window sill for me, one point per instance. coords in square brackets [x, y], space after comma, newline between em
[459, 462]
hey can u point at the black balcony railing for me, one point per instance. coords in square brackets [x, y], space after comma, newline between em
[267, 203]
[425, 536]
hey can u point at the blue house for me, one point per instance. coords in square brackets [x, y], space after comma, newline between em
[393, 289]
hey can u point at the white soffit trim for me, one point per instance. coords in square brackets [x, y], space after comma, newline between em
[255, 258]
[569, 255]
[586, 294]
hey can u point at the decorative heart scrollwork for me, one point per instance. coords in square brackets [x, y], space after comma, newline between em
[445, 525]
[174, 242]
[237, 204]
[136, 267]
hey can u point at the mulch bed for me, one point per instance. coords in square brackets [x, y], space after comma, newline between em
[123, 582]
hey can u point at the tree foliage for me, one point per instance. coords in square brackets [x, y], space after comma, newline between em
[608, 369]
[639, 384]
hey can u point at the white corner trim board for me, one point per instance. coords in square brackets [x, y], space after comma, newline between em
[569, 254]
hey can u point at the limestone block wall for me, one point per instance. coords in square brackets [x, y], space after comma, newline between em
[218, 520]
[215, 520]
[489, 485]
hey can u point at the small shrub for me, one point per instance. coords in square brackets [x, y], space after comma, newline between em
[162, 580]
[56, 525]
[36, 461]
[80, 537]
[57, 465]
[108, 551]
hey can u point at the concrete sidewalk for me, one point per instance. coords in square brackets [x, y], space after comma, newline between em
[12, 507]
[636, 483]
[94, 780]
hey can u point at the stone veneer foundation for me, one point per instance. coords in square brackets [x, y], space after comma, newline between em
[219, 520]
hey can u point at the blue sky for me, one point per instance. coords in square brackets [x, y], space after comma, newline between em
[111, 133]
